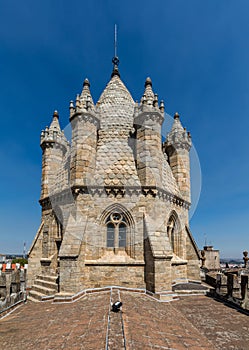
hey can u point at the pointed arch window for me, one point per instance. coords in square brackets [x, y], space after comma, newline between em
[174, 234]
[116, 231]
[122, 235]
[110, 235]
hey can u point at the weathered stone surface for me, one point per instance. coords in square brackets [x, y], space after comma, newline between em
[193, 322]
[115, 202]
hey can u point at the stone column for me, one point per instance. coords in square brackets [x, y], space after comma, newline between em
[244, 286]
[218, 283]
[245, 258]
[230, 283]
[203, 258]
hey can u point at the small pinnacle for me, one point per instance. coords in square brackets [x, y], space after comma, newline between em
[56, 114]
[71, 104]
[148, 82]
[77, 101]
[176, 116]
[155, 102]
[86, 83]
[161, 107]
[143, 99]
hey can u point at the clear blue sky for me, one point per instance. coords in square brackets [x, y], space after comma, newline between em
[197, 54]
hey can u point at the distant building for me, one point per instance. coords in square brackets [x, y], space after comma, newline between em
[210, 258]
[2, 258]
[12, 284]
[115, 201]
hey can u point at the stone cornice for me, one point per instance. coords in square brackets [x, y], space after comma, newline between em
[114, 263]
[51, 143]
[69, 195]
[68, 257]
[181, 144]
[142, 118]
[88, 116]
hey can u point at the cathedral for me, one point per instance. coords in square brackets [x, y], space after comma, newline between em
[114, 198]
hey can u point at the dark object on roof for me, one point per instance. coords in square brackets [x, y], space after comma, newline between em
[116, 306]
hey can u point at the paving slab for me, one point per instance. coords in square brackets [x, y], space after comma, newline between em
[150, 324]
[225, 326]
[47, 326]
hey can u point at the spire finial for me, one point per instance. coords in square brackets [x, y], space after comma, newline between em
[148, 82]
[115, 40]
[176, 116]
[86, 83]
[56, 114]
[115, 59]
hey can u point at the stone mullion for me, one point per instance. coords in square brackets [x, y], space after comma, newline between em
[116, 236]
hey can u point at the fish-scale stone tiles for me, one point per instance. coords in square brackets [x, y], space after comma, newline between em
[115, 164]
[168, 181]
[116, 104]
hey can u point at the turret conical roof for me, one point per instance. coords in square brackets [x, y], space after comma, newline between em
[178, 136]
[116, 105]
[85, 98]
[55, 125]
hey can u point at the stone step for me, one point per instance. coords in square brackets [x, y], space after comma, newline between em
[47, 284]
[166, 296]
[35, 296]
[190, 288]
[43, 290]
[191, 292]
[47, 278]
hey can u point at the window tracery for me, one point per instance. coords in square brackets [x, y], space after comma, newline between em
[174, 234]
[116, 230]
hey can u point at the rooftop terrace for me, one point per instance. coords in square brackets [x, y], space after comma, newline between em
[193, 322]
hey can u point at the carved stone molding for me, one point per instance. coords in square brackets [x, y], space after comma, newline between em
[71, 194]
[86, 117]
[142, 118]
[61, 145]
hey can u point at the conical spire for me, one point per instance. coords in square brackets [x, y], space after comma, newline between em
[178, 136]
[149, 99]
[148, 93]
[116, 105]
[177, 126]
[55, 125]
[53, 133]
[85, 99]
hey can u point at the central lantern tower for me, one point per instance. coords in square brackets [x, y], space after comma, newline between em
[115, 200]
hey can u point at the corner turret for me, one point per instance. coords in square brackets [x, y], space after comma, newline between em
[84, 137]
[177, 147]
[148, 122]
[54, 146]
